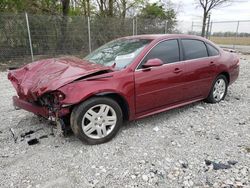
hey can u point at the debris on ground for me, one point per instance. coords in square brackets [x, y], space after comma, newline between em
[220, 165]
[13, 134]
[184, 165]
[237, 98]
[4, 156]
[33, 141]
[27, 134]
[43, 136]
[232, 162]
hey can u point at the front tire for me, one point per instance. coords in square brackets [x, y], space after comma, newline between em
[96, 120]
[218, 90]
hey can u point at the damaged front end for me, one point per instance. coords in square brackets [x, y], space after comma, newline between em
[37, 84]
[56, 113]
[52, 101]
[49, 107]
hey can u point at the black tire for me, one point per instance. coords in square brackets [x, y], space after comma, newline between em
[79, 112]
[211, 98]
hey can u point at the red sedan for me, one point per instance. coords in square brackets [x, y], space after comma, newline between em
[126, 79]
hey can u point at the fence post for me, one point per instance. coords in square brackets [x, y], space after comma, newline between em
[210, 30]
[236, 33]
[208, 22]
[166, 27]
[133, 26]
[89, 35]
[30, 42]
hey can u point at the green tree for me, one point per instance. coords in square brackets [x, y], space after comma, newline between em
[124, 7]
[156, 10]
[160, 11]
[153, 11]
[50, 7]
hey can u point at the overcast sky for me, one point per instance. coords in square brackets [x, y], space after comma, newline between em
[236, 11]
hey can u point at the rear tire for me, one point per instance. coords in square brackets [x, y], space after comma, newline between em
[218, 90]
[97, 120]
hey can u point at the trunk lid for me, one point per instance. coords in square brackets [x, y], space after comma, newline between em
[37, 78]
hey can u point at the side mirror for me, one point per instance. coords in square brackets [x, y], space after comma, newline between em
[153, 63]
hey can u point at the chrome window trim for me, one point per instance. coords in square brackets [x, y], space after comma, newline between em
[142, 69]
[181, 61]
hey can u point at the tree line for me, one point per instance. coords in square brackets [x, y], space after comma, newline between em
[100, 8]
[61, 26]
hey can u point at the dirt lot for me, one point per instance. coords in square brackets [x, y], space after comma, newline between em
[199, 145]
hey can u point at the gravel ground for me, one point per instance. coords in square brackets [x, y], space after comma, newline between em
[190, 146]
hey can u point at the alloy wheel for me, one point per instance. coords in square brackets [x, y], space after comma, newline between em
[219, 89]
[99, 121]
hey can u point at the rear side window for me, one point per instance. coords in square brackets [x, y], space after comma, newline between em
[212, 51]
[194, 49]
[167, 51]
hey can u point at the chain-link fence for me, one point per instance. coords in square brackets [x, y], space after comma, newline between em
[231, 34]
[29, 37]
[25, 38]
[227, 34]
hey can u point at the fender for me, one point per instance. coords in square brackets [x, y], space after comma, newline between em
[77, 92]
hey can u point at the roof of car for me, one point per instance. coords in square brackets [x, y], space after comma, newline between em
[162, 36]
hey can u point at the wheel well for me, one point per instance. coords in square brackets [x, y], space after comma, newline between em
[120, 100]
[226, 75]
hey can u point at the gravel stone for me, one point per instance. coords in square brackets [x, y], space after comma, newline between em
[133, 177]
[145, 177]
[156, 129]
[176, 148]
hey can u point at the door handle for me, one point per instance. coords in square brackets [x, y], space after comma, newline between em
[212, 63]
[177, 70]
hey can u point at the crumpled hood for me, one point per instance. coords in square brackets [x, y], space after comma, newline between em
[37, 78]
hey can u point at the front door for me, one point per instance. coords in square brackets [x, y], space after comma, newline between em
[160, 86]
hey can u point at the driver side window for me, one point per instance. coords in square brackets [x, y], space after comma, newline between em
[167, 51]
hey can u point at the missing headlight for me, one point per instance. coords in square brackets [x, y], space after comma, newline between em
[51, 99]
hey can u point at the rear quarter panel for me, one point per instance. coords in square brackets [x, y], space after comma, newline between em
[229, 62]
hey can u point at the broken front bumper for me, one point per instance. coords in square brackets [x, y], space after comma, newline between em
[38, 110]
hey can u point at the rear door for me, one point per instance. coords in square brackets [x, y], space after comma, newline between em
[160, 86]
[199, 68]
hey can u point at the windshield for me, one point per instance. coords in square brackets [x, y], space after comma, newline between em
[119, 53]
